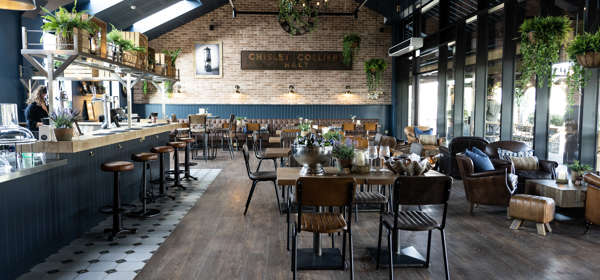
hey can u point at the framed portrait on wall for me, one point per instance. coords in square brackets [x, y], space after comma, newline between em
[208, 59]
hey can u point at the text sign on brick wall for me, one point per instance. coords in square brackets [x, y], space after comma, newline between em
[293, 60]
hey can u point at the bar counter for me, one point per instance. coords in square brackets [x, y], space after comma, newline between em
[44, 210]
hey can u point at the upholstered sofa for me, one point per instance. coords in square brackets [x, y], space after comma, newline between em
[457, 145]
[428, 150]
[546, 168]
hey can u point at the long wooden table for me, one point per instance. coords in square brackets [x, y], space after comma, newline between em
[404, 257]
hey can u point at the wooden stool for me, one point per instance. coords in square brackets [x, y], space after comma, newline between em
[176, 146]
[145, 159]
[188, 141]
[533, 208]
[116, 167]
[161, 150]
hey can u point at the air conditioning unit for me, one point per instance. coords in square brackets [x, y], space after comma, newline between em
[406, 46]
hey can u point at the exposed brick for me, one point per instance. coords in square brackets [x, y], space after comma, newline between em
[259, 32]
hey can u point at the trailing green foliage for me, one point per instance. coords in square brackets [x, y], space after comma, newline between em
[173, 54]
[299, 16]
[351, 46]
[62, 22]
[581, 44]
[343, 152]
[374, 69]
[541, 41]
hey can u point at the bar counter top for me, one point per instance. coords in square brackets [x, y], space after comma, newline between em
[99, 138]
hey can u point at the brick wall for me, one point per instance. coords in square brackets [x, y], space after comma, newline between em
[263, 32]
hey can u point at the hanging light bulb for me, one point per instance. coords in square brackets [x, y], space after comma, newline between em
[18, 5]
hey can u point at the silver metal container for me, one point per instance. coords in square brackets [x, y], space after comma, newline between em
[312, 158]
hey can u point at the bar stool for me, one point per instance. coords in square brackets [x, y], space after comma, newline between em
[188, 141]
[145, 159]
[116, 167]
[176, 146]
[161, 150]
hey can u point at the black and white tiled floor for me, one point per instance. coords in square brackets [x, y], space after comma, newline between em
[93, 257]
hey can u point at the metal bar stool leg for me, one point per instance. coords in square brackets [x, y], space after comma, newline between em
[144, 197]
[117, 226]
[177, 171]
[187, 175]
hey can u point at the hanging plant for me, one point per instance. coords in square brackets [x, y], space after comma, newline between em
[62, 22]
[298, 17]
[584, 51]
[374, 69]
[351, 46]
[541, 41]
[169, 88]
[115, 36]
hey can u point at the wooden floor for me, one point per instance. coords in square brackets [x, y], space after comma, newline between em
[215, 241]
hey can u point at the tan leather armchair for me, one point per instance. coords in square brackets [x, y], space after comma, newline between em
[592, 200]
[428, 150]
[489, 187]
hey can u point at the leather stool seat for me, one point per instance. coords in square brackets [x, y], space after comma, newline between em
[117, 166]
[141, 157]
[186, 139]
[532, 208]
[177, 144]
[162, 149]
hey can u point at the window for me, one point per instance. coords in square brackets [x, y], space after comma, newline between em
[165, 15]
[494, 77]
[428, 94]
[450, 93]
[469, 94]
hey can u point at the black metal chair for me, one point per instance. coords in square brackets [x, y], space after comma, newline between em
[416, 190]
[259, 176]
[259, 153]
[324, 192]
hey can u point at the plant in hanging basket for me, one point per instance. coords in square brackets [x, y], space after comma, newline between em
[585, 49]
[350, 48]
[374, 69]
[541, 41]
[63, 23]
[298, 17]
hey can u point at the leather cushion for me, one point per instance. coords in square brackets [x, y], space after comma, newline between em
[538, 209]
[323, 222]
[177, 144]
[162, 149]
[117, 166]
[186, 139]
[533, 174]
[411, 220]
[427, 139]
[144, 157]
[525, 163]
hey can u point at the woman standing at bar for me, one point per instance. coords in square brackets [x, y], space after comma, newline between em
[36, 109]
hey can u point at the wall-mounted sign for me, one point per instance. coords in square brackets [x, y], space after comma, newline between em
[293, 60]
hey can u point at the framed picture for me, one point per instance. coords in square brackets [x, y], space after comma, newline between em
[208, 59]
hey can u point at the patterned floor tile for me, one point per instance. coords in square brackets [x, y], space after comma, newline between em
[92, 257]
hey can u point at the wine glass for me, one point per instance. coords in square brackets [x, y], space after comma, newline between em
[384, 152]
[372, 154]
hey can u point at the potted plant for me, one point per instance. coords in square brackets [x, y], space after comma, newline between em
[585, 49]
[304, 127]
[374, 69]
[577, 171]
[63, 23]
[351, 45]
[344, 155]
[121, 45]
[298, 17]
[541, 41]
[63, 123]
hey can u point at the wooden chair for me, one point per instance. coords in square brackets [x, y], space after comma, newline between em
[259, 176]
[229, 135]
[318, 192]
[416, 190]
[288, 135]
[349, 128]
[259, 153]
[360, 142]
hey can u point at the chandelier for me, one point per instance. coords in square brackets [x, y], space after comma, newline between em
[299, 17]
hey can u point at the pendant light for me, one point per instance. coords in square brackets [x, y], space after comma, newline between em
[18, 5]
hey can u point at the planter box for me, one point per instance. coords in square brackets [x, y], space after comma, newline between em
[589, 59]
[101, 49]
[151, 59]
[83, 41]
[139, 40]
[83, 72]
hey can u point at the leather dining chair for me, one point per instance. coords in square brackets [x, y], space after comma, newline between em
[258, 176]
[324, 192]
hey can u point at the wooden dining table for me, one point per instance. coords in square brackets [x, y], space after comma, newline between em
[404, 257]
[279, 153]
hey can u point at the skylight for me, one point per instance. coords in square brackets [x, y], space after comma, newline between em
[97, 6]
[152, 21]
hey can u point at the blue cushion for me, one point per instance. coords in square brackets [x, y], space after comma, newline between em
[478, 151]
[422, 132]
[480, 163]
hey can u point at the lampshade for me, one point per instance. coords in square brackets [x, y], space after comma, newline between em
[18, 5]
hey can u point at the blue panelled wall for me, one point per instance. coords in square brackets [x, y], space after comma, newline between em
[11, 90]
[381, 112]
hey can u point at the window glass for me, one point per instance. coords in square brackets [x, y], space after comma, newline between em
[494, 79]
[428, 94]
[450, 94]
[469, 94]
